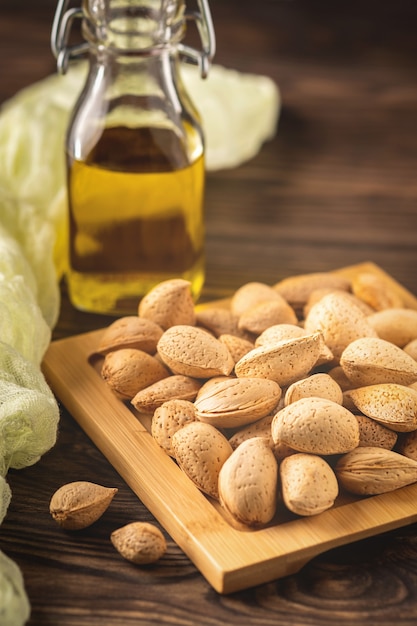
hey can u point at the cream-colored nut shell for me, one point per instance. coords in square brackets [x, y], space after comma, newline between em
[130, 332]
[316, 426]
[318, 294]
[399, 326]
[235, 402]
[372, 433]
[261, 316]
[308, 484]
[173, 387]
[169, 303]
[408, 445]
[260, 428]
[375, 291]
[284, 362]
[139, 542]
[390, 404]
[371, 360]
[79, 504]
[279, 332]
[297, 289]
[318, 385]
[219, 321]
[410, 348]
[248, 483]
[340, 320]
[127, 371]
[200, 450]
[372, 471]
[250, 294]
[168, 418]
[237, 346]
[192, 351]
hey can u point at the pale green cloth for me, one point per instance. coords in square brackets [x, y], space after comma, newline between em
[239, 112]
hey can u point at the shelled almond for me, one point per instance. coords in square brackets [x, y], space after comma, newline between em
[282, 397]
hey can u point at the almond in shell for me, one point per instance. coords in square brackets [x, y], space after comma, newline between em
[284, 362]
[192, 351]
[128, 370]
[372, 360]
[248, 483]
[319, 385]
[371, 433]
[370, 471]
[168, 418]
[235, 402]
[399, 325]
[316, 426]
[340, 320]
[308, 484]
[201, 450]
[130, 332]
[169, 303]
[390, 404]
[261, 316]
[173, 387]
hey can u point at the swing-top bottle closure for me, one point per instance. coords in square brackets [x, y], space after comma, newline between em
[139, 26]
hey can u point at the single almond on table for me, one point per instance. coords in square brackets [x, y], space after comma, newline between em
[173, 387]
[308, 484]
[128, 370]
[141, 543]
[79, 504]
[169, 303]
[236, 402]
[371, 360]
[201, 450]
[399, 326]
[130, 332]
[318, 385]
[248, 483]
[390, 404]
[168, 418]
[371, 471]
[316, 426]
[192, 351]
[284, 362]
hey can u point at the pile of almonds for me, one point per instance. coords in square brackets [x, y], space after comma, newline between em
[284, 397]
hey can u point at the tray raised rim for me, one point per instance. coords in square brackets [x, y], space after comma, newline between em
[229, 558]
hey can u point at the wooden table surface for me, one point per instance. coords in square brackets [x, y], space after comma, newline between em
[337, 186]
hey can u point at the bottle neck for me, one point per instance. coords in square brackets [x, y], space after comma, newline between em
[133, 27]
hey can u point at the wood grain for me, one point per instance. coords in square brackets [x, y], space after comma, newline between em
[229, 558]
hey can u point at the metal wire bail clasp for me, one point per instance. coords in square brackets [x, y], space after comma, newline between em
[65, 17]
[204, 23]
[61, 27]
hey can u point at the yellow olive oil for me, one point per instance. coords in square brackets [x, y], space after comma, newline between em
[135, 218]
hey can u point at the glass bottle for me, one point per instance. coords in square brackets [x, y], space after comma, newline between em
[135, 152]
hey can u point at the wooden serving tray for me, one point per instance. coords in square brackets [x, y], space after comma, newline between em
[230, 558]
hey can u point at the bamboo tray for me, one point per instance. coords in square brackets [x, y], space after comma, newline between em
[229, 557]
